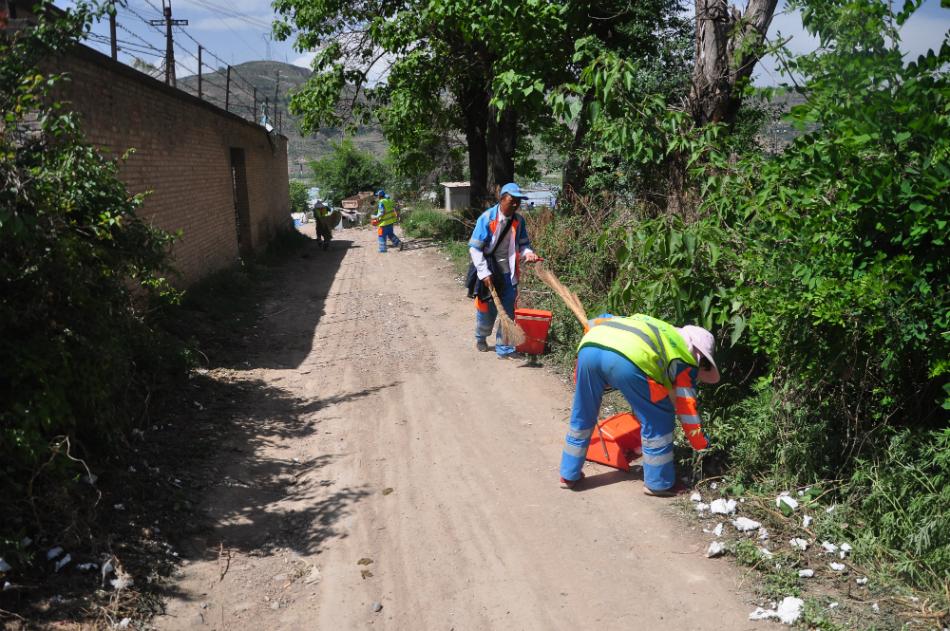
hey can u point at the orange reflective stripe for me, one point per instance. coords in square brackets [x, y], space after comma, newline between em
[379, 231]
[683, 380]
[686, 406]
[695, 435]
[481, 306]
[657, 391]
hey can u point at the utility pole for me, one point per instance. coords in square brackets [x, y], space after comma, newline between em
[277, 99]
[169, 43]
[227, 91]
[254, 110]
[115, 48]
[199, 70]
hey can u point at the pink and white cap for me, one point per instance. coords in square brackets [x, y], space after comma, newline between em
[700, 341]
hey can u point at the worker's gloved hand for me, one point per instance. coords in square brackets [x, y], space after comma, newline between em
[531, 257]
[487, 281]
[698, 439]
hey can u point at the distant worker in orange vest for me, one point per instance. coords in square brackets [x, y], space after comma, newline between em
[657, 368]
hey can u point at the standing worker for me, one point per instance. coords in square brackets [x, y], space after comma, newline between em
[500, 268]
[657, 367]
[321, 218]
[385, 220]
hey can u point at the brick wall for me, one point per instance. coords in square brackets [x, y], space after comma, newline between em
[182, 155]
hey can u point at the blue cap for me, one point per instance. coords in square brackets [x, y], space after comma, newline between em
[380, 193]
[514, 190]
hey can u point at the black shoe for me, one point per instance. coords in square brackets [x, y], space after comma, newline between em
[481, 346]
[514, 355]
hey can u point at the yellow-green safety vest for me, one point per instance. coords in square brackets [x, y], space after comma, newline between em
[651, 344]
[389, 213]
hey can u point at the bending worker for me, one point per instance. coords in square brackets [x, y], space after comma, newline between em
[497, 263]
[385, 221]
[657, 367]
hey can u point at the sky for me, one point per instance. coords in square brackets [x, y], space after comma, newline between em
[235, 31]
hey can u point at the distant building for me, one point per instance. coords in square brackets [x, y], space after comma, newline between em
[458, 195]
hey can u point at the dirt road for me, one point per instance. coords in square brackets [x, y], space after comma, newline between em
[387, 463]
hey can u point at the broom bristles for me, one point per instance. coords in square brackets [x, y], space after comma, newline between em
[513, 334]
[567, 296]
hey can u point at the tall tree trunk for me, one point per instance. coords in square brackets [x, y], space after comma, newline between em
[502, 140]
[728, 45]
[577, 169]
[474, 103]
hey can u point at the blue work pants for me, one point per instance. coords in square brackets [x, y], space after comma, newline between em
[485, 320]
[597, 368]
[384, 232]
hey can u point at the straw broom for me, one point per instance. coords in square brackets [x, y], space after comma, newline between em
[510, 331]
[566, 295]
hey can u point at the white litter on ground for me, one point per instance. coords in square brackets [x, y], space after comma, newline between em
[763, 533]
[786, 499]
[765, 552]
[833, 605]
[696, 497]
[806, 520]
[63, 562]
[4, 566]
[701, 507]
[722, 507]
[714, 486]
[7, 586]
[787, 612]
[876, 608]
[715, 549]
[85, 567]
[845, 550]
[829, 547]
[121, 581]
[124, 623]
[806, 573]
[119, 506]
[744, 524]
[718, 529]
[862, 581]
[831, 508]
[837, 567]
[799, 544]
[52, 553]
[25, 542]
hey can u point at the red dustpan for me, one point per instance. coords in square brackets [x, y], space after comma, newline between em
[616, 441]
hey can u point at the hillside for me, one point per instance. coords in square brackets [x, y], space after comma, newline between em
[263, 75]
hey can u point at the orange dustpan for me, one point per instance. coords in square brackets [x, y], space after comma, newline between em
[616, 441]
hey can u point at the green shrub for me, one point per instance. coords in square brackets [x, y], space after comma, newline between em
[426, 222]
[81, 277]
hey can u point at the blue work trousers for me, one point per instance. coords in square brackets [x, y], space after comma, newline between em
[384, 232]
[485, 320]
[597, 368]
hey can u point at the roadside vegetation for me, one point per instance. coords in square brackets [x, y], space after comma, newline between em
[822, 269]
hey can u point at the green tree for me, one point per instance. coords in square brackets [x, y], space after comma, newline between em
[298, 196]
[458, 66]
[347, 171]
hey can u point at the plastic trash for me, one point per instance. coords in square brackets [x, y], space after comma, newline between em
[744, 524]
[722, 507]
[837, 567]
[787, 612]
[54, 552]
[715, 549]
[806, 573]
[799, 544]
[63, 562]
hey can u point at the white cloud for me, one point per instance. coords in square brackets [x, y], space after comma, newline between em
[304, 60]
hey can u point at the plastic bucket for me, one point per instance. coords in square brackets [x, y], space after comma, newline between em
[535, 323]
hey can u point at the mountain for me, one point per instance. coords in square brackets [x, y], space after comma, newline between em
[264, 76]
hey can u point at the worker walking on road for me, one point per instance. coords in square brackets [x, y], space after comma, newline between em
[385, 220]
[657, 367]
[321, 218]
[499, 232]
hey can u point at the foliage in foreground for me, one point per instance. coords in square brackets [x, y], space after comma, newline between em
[79, 273]
[823, 272]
